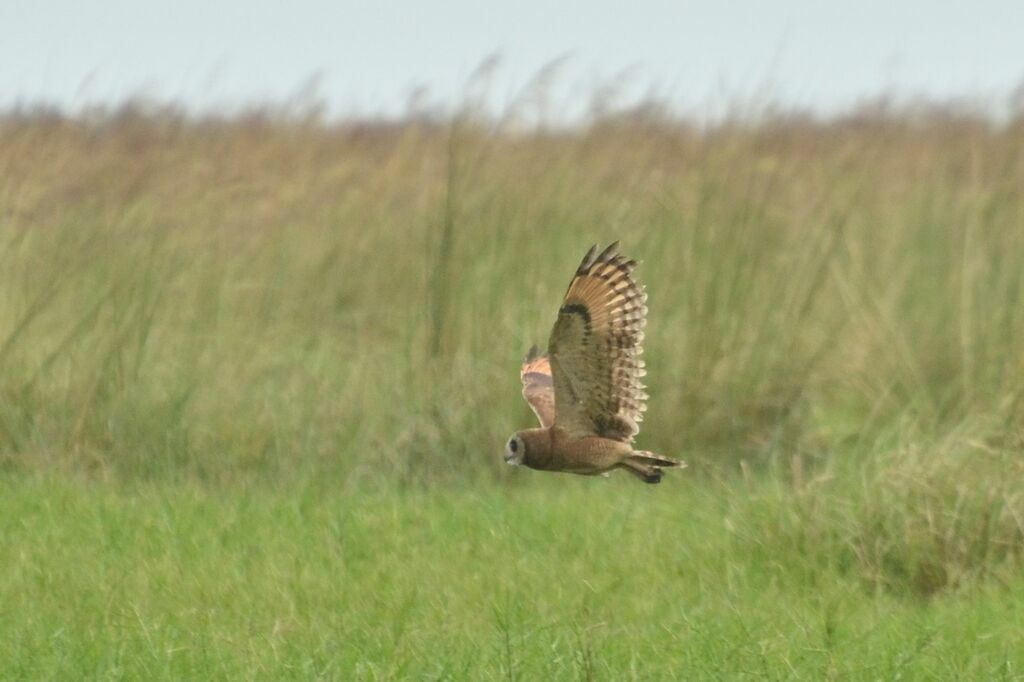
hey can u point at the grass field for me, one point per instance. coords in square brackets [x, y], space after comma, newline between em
[256, 375]
[558, 580]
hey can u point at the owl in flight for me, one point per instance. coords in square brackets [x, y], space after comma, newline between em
[586, 391]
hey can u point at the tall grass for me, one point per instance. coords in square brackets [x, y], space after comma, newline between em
[261, 297]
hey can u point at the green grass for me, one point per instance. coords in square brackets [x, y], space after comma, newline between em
[256, 375]
[559, 579]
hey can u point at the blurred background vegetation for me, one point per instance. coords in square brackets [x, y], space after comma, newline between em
[270, 296]
[835, 306]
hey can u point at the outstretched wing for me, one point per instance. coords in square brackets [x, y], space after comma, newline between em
[595, 346]
[538, 387]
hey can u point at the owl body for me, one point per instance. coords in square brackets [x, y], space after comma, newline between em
[586, 390]
[552, 449]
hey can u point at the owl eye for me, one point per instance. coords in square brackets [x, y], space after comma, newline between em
[513, 445]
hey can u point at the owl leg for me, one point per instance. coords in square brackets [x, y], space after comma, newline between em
[647, 457]
[646, 473]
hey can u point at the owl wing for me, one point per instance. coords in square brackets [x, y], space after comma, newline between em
[595, 346]
[538, 387]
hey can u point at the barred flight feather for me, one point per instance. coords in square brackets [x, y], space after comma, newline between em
[595, 346]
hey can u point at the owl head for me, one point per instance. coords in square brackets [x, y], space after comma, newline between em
[515, 450]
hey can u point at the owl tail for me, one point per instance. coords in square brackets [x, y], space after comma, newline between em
[647, 466]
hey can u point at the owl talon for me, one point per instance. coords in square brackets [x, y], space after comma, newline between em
[653, 475]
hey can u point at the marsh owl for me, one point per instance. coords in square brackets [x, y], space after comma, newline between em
[586, 390]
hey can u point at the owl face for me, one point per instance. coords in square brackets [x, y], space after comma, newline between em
[515, 450]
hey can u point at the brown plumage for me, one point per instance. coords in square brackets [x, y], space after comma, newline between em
[586, 392]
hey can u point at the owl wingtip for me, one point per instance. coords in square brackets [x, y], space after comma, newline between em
[610, 251]
[587, 261]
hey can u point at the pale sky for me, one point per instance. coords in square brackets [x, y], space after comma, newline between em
[370, 56]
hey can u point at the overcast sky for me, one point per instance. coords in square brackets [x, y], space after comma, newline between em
[369, 57]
